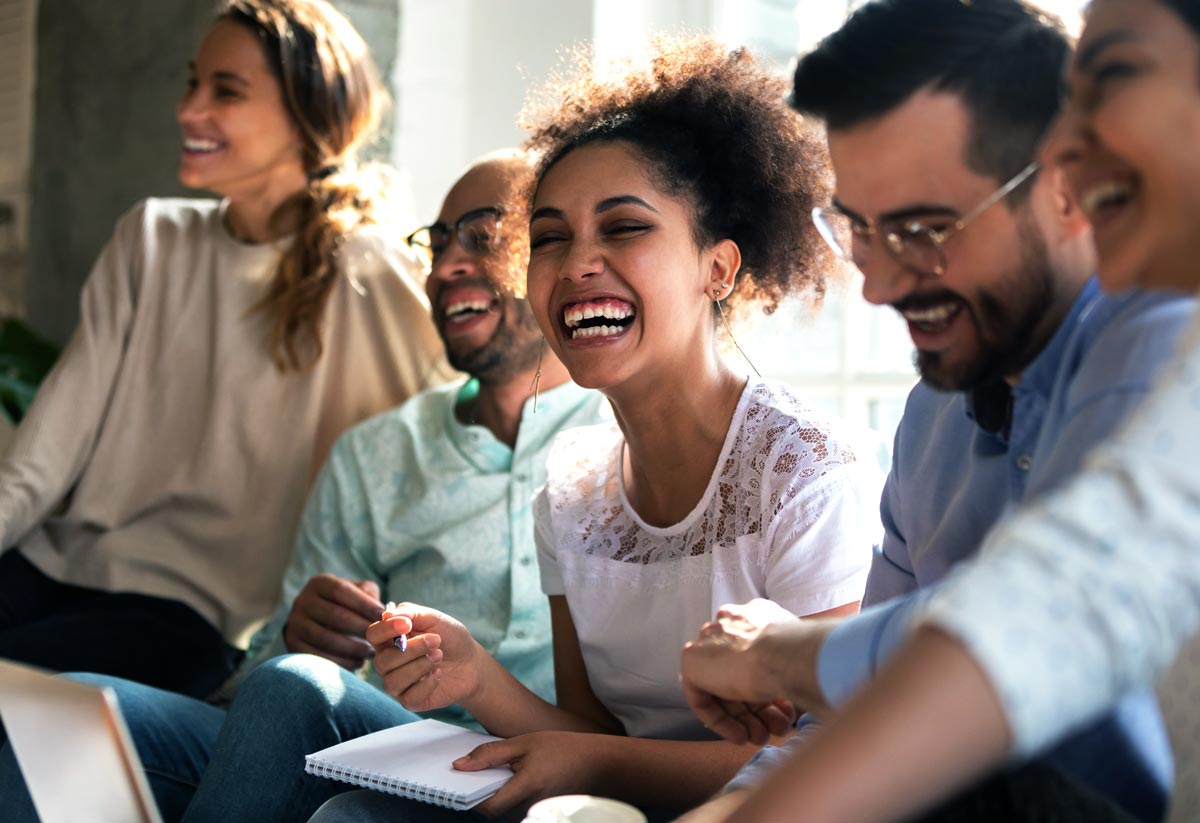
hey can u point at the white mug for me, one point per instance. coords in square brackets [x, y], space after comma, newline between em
[582, 808]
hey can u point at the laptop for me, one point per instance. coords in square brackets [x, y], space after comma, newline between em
[74, 749]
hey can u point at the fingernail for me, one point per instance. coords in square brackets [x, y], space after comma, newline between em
[462, 760]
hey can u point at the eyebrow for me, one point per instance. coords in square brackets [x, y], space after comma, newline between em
[607, 204]
[222, 75]
[611, 203]
[1087, 56]
[906, 213]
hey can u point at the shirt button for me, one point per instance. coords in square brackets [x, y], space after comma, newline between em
[1025, 462]
[520, 477]
[520, 634]
[525, 561]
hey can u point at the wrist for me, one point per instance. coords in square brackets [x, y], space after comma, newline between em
[799, 663]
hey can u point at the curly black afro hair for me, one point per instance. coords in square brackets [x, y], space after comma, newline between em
[714, 127]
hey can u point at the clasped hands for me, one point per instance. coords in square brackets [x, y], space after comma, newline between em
[752, 670]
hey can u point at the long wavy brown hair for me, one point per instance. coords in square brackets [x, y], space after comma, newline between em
[333, 93]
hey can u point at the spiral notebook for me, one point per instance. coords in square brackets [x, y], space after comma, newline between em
[412, 761]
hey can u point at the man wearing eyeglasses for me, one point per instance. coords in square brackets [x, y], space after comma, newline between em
[934, 110]
[429, 502]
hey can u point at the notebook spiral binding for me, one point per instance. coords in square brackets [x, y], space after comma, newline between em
[381, 782]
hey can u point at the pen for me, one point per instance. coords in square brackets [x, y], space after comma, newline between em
[400, 642]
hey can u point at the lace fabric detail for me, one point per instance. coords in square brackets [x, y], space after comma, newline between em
[775, 448]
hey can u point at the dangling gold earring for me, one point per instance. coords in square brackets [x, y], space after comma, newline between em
[729, 329]
[537, 375]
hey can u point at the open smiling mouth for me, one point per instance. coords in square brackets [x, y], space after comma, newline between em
[597, 318]
[933, 319]
[462, 311]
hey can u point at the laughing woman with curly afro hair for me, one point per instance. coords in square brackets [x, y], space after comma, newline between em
[662, 192]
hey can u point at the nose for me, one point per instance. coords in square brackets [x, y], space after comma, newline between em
[582, 261]
[192, 106]
[453, 262]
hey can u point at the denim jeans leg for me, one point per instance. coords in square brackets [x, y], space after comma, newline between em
[288, 707]
[173, 736]
[366, 806]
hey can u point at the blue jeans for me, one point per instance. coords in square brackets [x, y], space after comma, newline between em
[205, 764]
[366, 806]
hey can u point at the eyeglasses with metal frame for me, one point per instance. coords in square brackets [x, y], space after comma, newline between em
[909, 241]
[477, 231]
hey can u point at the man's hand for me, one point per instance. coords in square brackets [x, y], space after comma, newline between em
[544, 764]
[329, 618]
[752, 668]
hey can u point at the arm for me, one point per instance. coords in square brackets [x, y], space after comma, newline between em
[1108, 561]
[761, 652]
[443, 664]
[54, 442]
[879, 760]
[592, 755]
[331, 587]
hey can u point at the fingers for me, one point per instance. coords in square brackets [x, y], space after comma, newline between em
[411, 675]
[713, 714]
[370, 588]
[348, 596]
[306, 637]
[777, 719]
[381, 634]
[490, 755]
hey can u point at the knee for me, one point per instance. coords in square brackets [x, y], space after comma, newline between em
[295, 682]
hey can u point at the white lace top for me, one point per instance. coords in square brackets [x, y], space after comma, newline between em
[789, 515]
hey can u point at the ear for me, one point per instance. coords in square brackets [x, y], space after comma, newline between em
[726, 262]
[1069, 218]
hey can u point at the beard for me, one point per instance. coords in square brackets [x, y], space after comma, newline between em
[513, 349]
[1013, 321]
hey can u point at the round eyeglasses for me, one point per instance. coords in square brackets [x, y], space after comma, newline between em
[477, 231]
[910, 242]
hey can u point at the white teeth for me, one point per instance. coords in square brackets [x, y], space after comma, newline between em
[596, 331]
[1104, 194]
[455, 309]
[198, 144]
[934, 314]
[574, 316]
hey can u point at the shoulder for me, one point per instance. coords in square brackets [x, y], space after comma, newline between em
[1123, 340]
[165, 214]
[378, 255]
[777, 425]
[388, 436]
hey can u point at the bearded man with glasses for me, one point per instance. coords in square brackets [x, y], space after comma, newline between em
[934, 111]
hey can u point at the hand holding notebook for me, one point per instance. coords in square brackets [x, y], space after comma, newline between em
[413, 761]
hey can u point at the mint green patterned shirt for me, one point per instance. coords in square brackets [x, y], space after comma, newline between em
[440, 514]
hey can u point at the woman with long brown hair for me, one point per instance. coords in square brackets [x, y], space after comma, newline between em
[148, 502]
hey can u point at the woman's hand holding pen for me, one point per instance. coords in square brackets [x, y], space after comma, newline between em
[544, 764]
[440, 661]
[329, 618]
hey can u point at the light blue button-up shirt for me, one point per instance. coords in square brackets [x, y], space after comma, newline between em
[439, 513]
[952, 479]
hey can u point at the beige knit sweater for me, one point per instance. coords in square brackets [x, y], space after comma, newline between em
[165, 454]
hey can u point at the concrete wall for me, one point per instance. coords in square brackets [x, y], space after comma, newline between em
[108, 75]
